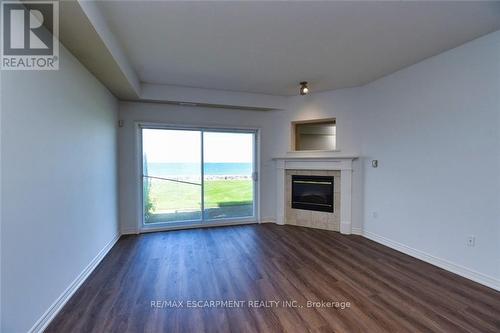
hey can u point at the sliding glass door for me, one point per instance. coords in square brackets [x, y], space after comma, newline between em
[194, 176]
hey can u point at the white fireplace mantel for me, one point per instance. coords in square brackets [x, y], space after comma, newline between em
[317, 161]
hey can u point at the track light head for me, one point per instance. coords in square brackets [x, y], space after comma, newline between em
[304, 90]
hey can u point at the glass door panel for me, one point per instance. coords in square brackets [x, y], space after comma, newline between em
[228, 166]
[172, 188]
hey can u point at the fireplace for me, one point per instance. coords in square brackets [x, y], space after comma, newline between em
[312, 193]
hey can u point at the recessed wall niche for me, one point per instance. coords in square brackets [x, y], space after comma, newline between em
[319, 134]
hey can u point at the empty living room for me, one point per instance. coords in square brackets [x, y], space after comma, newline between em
[249, 166]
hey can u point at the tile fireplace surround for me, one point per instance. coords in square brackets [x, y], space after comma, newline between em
[310, 218]
[315, 163]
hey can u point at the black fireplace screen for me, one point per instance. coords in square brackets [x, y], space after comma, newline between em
[312, 193]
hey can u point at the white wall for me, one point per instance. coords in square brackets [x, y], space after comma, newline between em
[274, 131]
[434, 127]
[130, 208]
[344, 105]
[59, 187]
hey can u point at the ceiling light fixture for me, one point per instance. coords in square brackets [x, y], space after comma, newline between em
[303, 88]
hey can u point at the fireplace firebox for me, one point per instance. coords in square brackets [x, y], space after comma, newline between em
[312, 193]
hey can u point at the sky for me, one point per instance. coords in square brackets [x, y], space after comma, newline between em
[181, 146]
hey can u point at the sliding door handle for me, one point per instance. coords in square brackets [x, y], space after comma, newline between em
[255, 176]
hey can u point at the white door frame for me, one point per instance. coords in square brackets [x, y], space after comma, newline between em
[142, 227]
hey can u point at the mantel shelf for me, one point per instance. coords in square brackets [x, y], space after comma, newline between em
[315, 156]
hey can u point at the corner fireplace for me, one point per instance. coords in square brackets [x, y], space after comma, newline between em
[312, 193]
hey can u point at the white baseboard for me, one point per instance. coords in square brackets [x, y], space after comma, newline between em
[129, 231]
[54, 309]
[267, 220]
[357, 231]
[465, 272]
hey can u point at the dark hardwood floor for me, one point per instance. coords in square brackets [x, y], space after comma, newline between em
[387, 291]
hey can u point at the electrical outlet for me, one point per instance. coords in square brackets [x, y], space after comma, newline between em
[471, 241]
[375, 215]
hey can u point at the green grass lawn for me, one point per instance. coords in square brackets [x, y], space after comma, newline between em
[167, 195]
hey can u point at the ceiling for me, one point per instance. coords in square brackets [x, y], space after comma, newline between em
[269, 47]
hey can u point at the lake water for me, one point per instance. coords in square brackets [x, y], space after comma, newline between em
[193, 169]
